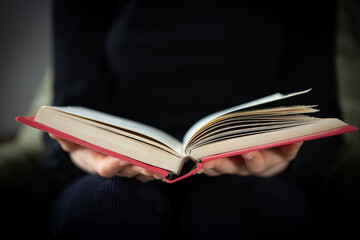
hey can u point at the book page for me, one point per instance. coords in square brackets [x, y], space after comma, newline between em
[108, 142]
[141, 128]
[236, 126]
[274, 97]
[266, 137]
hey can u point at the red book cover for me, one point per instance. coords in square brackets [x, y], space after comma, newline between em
[32, 123]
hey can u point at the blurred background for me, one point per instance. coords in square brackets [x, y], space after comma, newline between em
[26, 191]
[25, 56]
[25, 84]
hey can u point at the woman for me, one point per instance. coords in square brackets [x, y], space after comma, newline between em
[139, 60]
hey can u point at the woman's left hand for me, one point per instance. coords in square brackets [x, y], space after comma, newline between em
[264, 163]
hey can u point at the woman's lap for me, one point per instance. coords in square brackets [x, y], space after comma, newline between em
[224, 207]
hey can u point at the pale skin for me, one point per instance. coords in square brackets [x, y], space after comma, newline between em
[264, 163]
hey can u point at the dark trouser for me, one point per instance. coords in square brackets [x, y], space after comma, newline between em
[225, 207]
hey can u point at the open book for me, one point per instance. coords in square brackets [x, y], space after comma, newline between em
[247, 127]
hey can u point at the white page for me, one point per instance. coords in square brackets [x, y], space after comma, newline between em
[274, 97]
[126, 124]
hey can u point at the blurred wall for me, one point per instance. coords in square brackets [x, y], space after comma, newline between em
[25, 38]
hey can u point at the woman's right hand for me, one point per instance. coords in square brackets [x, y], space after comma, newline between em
[106, 166]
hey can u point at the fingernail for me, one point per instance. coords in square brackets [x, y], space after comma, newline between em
[138, 169]
[123, 163]
[248, 157]
[156, 176]
[144, 172]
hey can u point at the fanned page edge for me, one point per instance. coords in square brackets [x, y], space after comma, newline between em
[271, 98]
[338, 131]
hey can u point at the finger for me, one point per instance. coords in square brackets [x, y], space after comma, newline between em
[200, 171]
[223, 165]
[146, 172]
[67, 146]
[275, 169]
[86, 159]
[254, 162]
[53, 136]
[108, 166]
[271, 161]
[209, 170]
[131, 171]
[243, 172]
[157, 176]
[241, 167]
[144, 178]
[290, 151]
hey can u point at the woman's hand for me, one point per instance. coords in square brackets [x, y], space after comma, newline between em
[97, 163]
[265, 163]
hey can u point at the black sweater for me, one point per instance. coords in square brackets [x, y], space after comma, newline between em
[170, 64]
